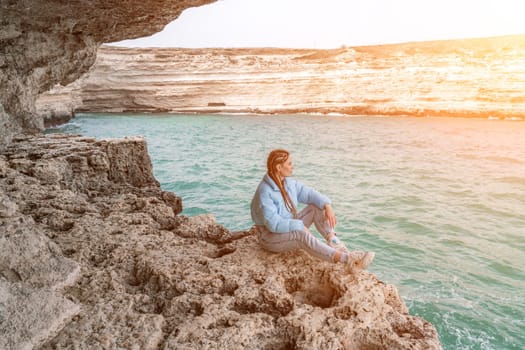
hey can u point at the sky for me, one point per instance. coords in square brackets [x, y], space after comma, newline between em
[334, 23]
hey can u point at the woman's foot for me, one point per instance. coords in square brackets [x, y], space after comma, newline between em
[358, 261]
[334, 242]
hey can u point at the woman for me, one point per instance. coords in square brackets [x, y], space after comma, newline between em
[281, 228]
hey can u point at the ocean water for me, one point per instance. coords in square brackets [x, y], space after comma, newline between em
[441, 201]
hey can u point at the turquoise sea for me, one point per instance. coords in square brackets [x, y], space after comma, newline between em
[441, 201]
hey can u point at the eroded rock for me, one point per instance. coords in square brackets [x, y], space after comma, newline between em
[50, 188]
[461, 78]
[151, 279]
[7, 207]
[30, 256]
[29, 316]
[43, 43]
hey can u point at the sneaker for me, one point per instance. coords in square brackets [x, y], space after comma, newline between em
[359, 260]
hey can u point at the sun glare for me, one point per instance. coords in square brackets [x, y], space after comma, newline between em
[334, 23]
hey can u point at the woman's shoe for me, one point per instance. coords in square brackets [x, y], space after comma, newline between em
[359, 260]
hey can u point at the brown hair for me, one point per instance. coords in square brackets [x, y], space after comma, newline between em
[279, 156]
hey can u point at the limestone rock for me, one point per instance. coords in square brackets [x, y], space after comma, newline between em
[43, 43]
[137, 173]
[152, 279]
[416, 79]
[51, 188]
[7, 207]
[29, 316]
[31, 257]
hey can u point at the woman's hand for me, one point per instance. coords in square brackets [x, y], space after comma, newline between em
[330, 215]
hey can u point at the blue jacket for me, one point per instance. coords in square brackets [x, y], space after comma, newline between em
[268, 206]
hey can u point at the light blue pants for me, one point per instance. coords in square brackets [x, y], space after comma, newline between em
[284, 242]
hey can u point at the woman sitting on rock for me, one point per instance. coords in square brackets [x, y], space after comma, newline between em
[281, 228]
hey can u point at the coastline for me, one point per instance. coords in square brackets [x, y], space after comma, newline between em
[62, 121]
[491, 115]
[94, 254]
[478, 78]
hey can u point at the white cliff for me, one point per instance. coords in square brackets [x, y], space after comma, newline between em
[465, 78]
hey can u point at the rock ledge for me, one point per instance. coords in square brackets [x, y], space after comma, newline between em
[93, 254]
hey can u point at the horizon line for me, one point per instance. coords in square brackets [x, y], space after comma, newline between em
[342, 46]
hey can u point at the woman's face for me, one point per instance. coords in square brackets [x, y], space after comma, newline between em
[285, 169]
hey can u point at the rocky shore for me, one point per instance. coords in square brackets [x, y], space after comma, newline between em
[94, 255]
[457, 78]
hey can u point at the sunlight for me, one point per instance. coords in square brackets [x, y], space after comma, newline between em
[334, 23]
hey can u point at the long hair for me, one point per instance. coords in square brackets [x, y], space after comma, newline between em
[279, 156]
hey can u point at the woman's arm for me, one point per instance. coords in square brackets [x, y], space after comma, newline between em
[272, 220]
[329, 215]
[308, 195]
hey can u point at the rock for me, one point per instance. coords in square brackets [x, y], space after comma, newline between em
[378, 80]
[43, 43]
[7, 207]
[29, 316]
[90, 239]
[113, 326]
[31, 257]
[59, 104]
[201, 227]
[3, 166]
[137, 173]
[173, 201]
[51, 188]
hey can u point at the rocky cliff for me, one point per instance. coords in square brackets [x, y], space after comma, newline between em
[94, 256]
[92, 252]
[46, 42]
[467, 78]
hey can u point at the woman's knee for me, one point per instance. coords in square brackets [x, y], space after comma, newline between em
[318, 213]
[314, 208]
